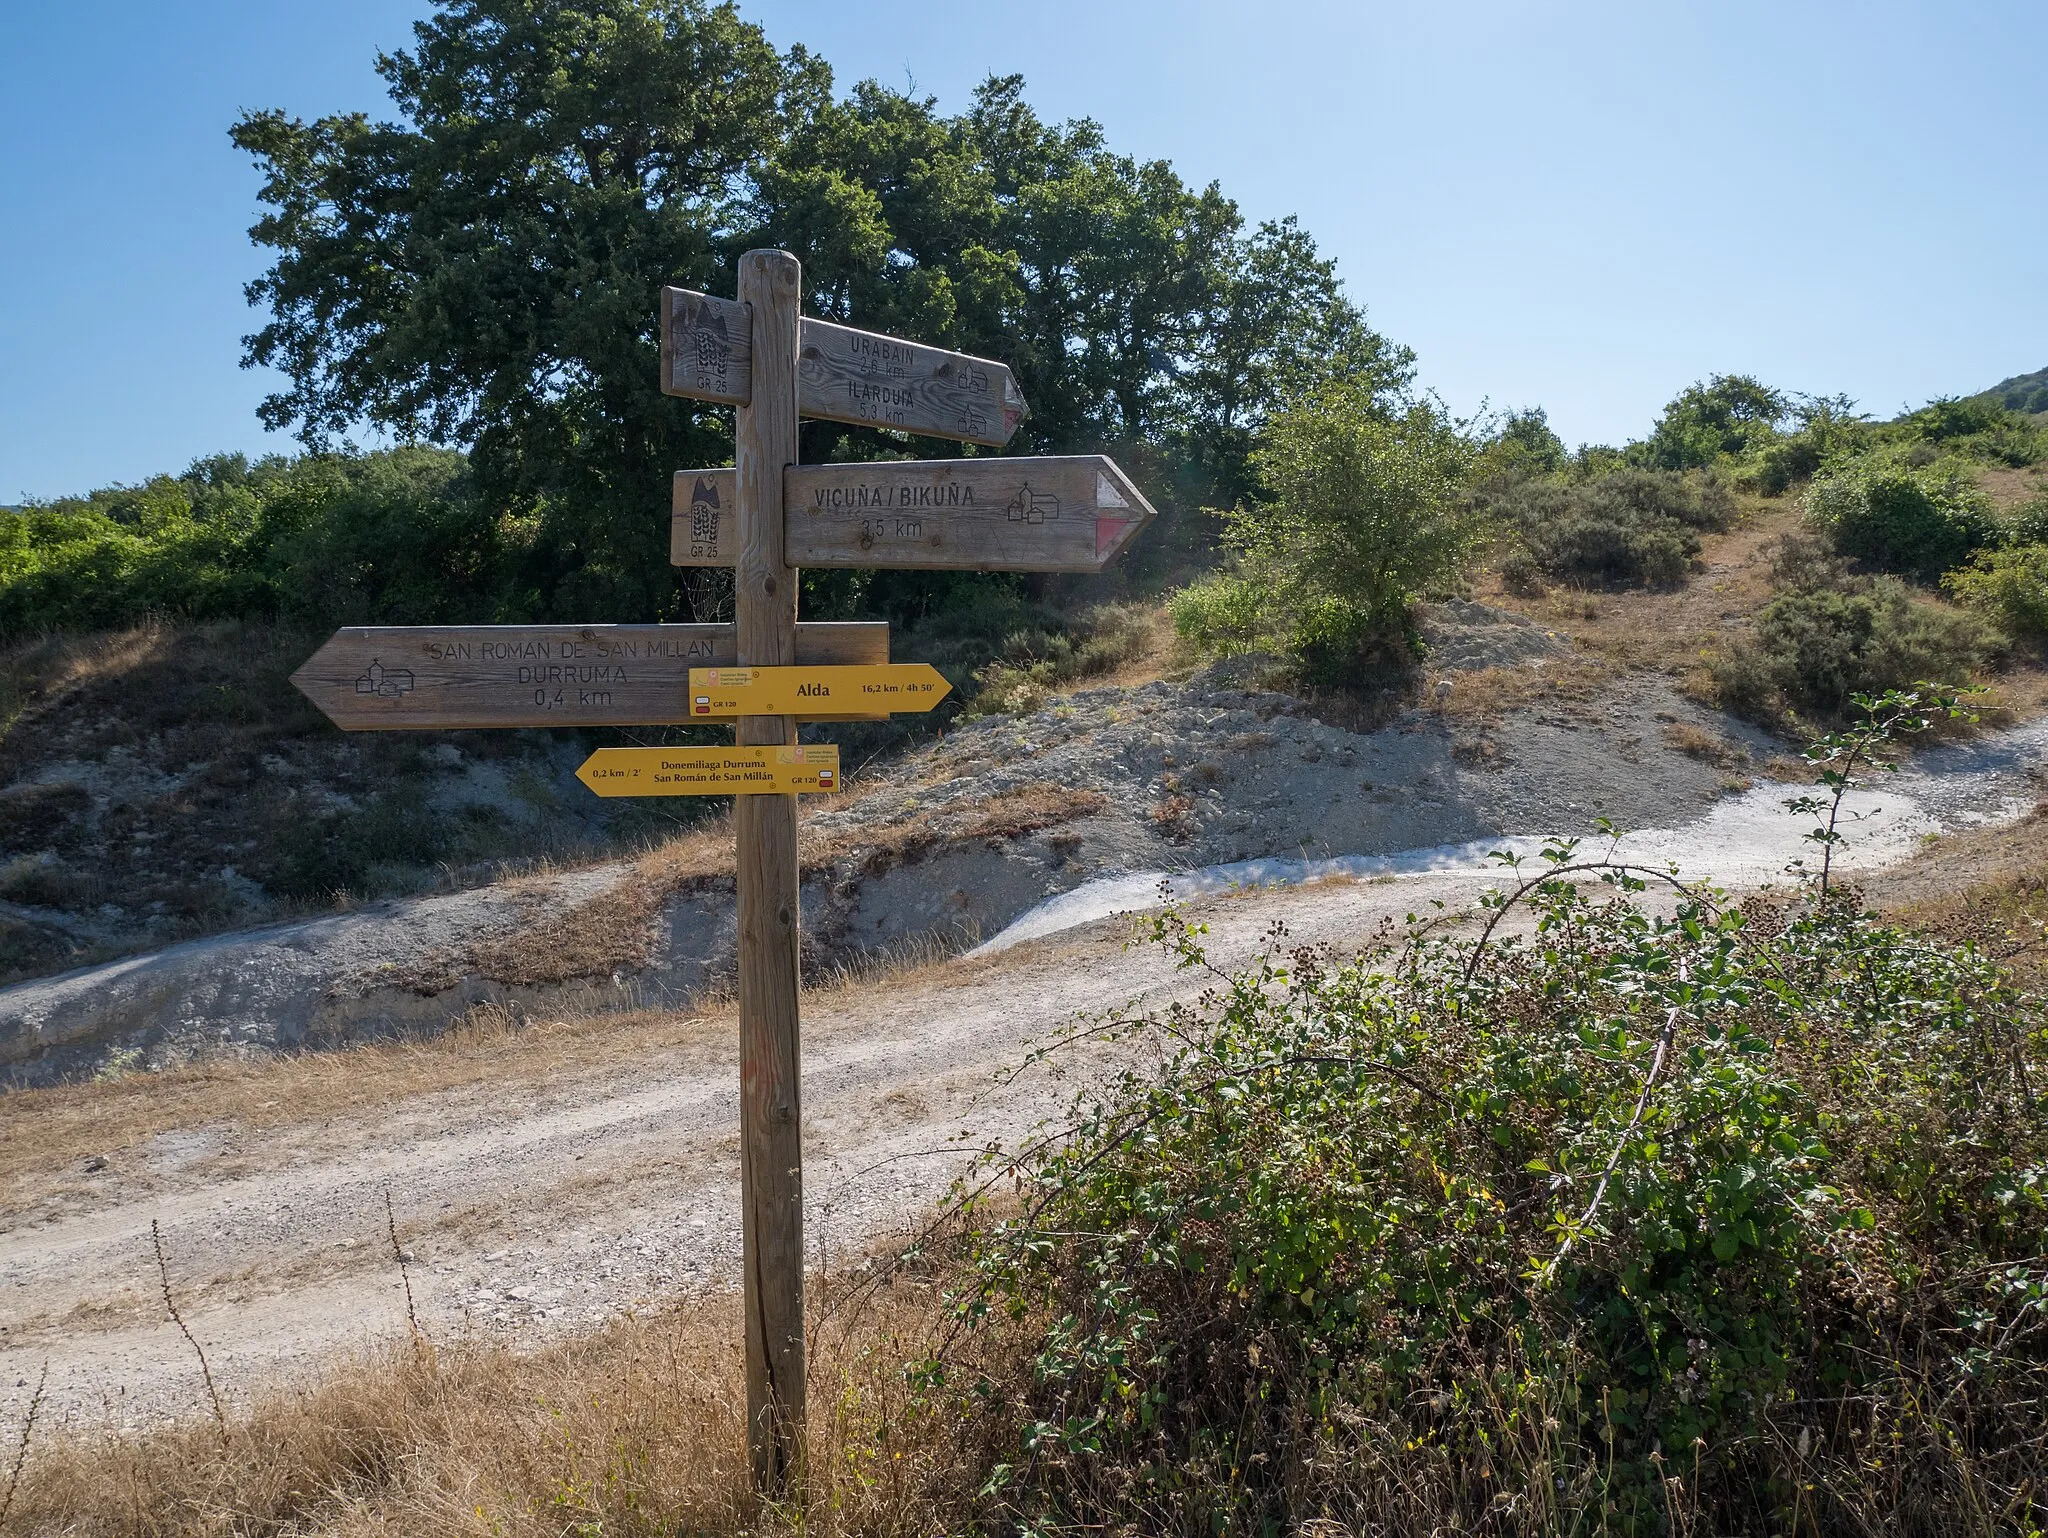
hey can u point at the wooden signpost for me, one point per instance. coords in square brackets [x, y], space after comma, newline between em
[764, 518]
[843, 375]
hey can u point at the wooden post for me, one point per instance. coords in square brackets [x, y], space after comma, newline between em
[771, 1153]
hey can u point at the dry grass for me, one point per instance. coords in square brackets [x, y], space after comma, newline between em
[634, 1429]
[1159, 655]
[1988, 886]
[1481, 697]
[1675, 632]
[2008, 487]
[1707, 747]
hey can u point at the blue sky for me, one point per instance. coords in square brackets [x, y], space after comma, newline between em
[1578, 205]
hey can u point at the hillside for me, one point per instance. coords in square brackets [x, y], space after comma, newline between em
[2022, 392]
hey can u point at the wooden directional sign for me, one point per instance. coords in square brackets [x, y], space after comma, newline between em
[707, 347]
[767, 771]
[843, 375]
[765, 520]
[909, 688]
[399, 677]
[1075, 513]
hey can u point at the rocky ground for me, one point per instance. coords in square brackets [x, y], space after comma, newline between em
[545, 1174]
[941, 845]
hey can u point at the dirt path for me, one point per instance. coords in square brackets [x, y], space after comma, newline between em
[549, 1178]
[550, 1200]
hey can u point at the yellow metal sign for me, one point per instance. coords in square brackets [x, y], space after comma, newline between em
[712, 771]
[906, 687]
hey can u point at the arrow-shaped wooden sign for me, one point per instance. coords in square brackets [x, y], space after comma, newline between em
[739, 771]
[900, 688]
[843, 374]
[440, 677]
[1074, 513]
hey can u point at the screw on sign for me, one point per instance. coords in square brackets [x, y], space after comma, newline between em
[764, 517]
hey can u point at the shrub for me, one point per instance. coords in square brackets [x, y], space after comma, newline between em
[1739, 1214]
[1728, 415]
[1920, 523]
[1223, 615]
[325, 539]
[2026, 524]
[1035, 659]
[1976, 428]
[2009, 587]
[1366, 516]
[1627, 528]
[1815, 647]
[1829, 426]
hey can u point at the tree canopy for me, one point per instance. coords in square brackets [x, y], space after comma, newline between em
[483, 271]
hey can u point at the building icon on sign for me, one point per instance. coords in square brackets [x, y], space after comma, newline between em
[385, 683]
[1033, 506]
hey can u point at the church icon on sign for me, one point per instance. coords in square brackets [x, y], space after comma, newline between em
[385, 683]
[1033, 506]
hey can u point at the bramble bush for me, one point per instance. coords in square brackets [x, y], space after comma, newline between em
[1919, 522]
[2009, 587]
[1731, 1219]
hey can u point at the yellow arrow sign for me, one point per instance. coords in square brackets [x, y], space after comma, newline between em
[905, 687]
[711, 771]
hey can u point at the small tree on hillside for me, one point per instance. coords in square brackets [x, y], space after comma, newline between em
[1366, 513]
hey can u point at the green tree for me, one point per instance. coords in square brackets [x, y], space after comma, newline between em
[1366, 515]
[483, 271]
[1521, 444]
[1729, 414]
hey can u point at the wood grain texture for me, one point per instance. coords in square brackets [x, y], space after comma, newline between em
[385, 678]
[1075, 513]
[706, 346]
[771, 1140]
[1055, 514]
[846, 375]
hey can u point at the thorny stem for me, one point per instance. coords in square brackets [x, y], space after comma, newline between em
[1664, 1040]
[28, 1430]
[398, 1254]
[163, 1271]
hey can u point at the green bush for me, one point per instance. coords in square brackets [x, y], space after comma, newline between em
[1813, 648]
[1366, 514]
[1633, 528]
[1976, 428]
[1729, 415]
[2009, 587]
[325, 539]
[1829, 427]
[1738, 1214]
[1917, 522]
[2026, 524]
[1223, 615]
[1035, 659]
